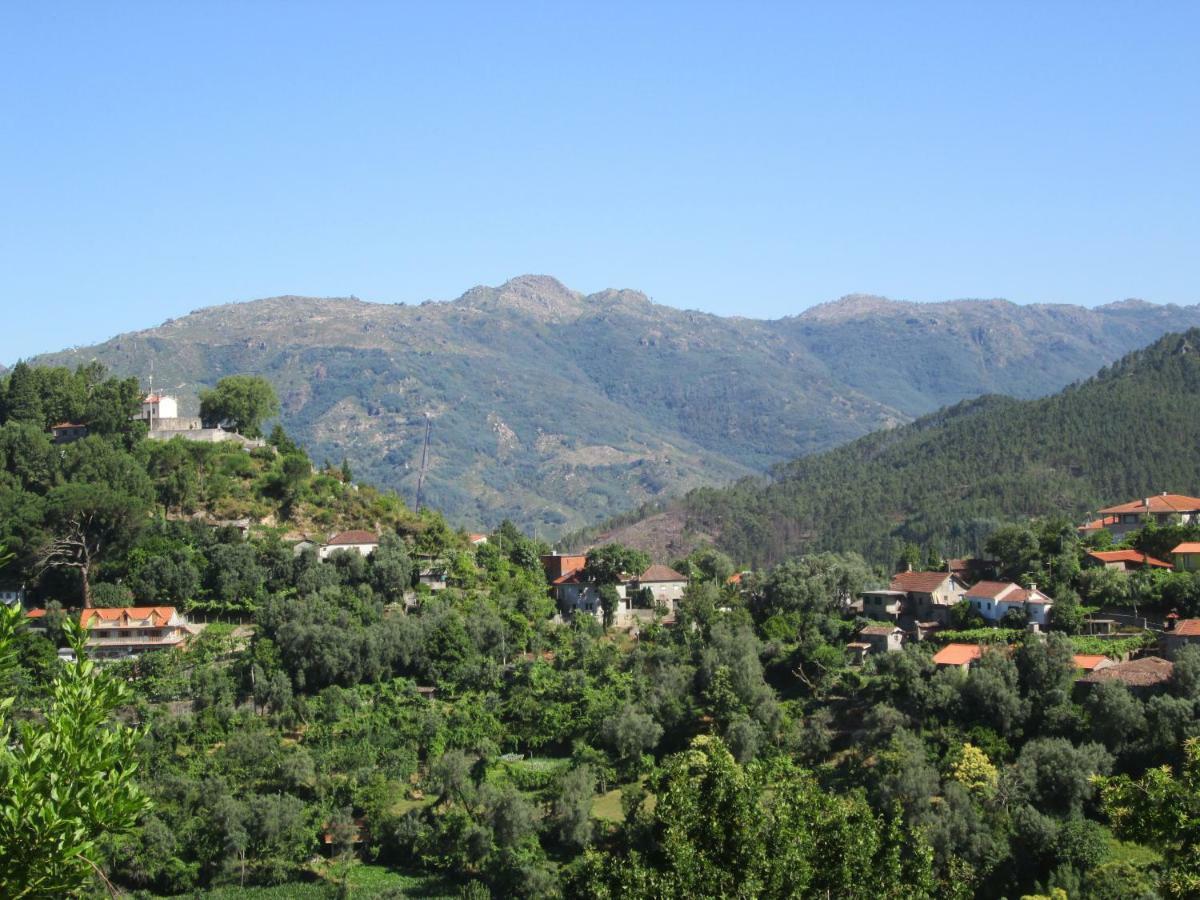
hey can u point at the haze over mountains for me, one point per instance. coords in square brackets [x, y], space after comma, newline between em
[558, 409]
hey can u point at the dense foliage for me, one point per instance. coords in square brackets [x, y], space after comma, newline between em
[948, 480]
[336, 717]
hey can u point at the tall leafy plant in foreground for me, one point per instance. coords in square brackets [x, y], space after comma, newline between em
[66, 779]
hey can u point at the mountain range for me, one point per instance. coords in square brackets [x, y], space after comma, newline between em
[558, 409]
[946, 481]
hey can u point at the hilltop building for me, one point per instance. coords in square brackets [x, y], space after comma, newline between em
[160, 412]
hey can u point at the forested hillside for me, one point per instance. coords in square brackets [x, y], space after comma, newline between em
[949, 479]
[341, 729]
[557, 409]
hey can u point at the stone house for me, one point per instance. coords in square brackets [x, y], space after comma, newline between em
[1183, 633]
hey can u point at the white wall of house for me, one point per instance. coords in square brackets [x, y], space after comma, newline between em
[328, 550]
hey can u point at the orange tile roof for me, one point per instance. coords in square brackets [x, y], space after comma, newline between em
[1187, 627]
[1159, 503]
[158, 615]
[67, 425]
[1097, 524]
[1088, 661]
[991, 589]
[353, 537]
[918, 582]
[661, 573]
[35, 613]
[1130, 556]
[1188, 547]
[957, 654]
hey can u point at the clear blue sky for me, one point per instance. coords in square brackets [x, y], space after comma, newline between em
[742, 158]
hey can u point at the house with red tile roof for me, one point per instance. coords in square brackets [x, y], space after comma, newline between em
[958, 656]
[1187, 556]
[917, 596]
[1124, 560]
[1090, 662]
[1162, 508]
[1087, 529]
[992, 599]
[125, 631]
[639, 594]
[1182, 633]
[362, 542]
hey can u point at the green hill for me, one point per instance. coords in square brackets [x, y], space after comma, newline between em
[949, 478]
[559, 410]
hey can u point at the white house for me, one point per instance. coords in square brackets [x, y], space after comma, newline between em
[992, 599]
[361, 542]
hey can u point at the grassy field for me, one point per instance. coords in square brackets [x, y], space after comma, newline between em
[365, 881]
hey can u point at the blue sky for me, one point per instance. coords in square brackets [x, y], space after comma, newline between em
[743, 158]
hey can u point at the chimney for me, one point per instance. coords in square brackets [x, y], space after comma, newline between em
[1032, 586]
[909, 568]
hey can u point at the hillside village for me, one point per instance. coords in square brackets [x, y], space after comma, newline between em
[353, 684]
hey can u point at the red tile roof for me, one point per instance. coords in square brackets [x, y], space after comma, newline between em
[35, 613]
[992, 590]
[157, 615]
[918, 582]
[1188, 547]
[1187, 627]
[575, 576]
[1159, 503]
[1007, 592]
[353, 537]
[1144, 672]
[67, 425]
[957, 654]
[1089, 661]
[1097, 524]
[1128, 556]
[661, 573]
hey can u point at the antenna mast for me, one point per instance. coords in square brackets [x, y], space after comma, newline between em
[424, 460]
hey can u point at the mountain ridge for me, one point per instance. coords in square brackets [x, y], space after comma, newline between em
[559, 409]
[945, 481]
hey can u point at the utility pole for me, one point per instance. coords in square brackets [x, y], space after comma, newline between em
[424, 461]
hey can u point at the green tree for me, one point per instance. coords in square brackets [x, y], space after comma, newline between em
[610, 563]
[1162, 809]
[67, 780]
[241, 401]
